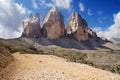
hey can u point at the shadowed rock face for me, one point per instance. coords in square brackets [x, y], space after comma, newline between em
[32, 27]
[77, 28]
[53, 24]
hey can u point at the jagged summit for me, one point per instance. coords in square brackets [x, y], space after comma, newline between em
[53, 9]
[53, 27]
[81, 21]
[53, 24]
[77, 27]
[32, 27]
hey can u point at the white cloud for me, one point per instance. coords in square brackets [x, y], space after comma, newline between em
[11, 17]
[64, 4]
[113, 31]
[82, 7]
[99, 31]
[90, 12]
[102, 19]
[35, 5]
[42, 1]
[49, 5]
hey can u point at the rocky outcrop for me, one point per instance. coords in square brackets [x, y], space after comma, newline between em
[53, 27]
[5, 58]
[77, 28]
[32, 27]
[53, 24]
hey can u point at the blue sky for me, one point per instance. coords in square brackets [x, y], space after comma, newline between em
[101, 15]
[96, 12]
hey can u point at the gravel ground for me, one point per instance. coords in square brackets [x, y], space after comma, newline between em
[48, 67]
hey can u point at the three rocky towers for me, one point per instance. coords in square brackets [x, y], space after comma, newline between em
[53, 26]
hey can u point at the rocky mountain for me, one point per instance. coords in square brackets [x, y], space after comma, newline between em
[76, 43]
[77, 28]
[76, 35]
[33, 56]
[53, 27]
[53, 24]
[32, 27]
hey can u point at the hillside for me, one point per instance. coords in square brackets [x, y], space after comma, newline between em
[103, 58]
[48, 67]
[5, 58]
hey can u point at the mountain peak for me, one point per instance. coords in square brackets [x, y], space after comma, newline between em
[54, 8]
[76, 14]
[53, 24]
[76, 27]
[53, 11]
[32, 26]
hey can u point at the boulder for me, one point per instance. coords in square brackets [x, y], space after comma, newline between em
[32, 27]
[53, 24]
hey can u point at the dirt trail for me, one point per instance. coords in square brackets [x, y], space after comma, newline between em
[48, 67]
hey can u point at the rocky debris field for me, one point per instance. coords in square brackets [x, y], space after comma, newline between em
[48, 67]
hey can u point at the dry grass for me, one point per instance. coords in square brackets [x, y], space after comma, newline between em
[104, 59]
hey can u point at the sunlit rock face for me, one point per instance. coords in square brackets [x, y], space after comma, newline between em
[77, 28]
[53, 24]
[32, 27]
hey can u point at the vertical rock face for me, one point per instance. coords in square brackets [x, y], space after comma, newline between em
[77, 27]
[32, 26]
[53, 24]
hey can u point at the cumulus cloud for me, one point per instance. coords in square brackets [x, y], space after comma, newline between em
[113, 32]
[64, 4]
[82, 7]
[35, 5]
[11, 17]
[99, 31]
[90, 12]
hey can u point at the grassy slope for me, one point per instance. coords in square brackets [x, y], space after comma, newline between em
[5, 57]
[104, 59]
[17, 45]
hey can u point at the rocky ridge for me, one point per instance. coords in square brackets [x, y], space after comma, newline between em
[53, 28]
[77, 28]
[32, 27]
